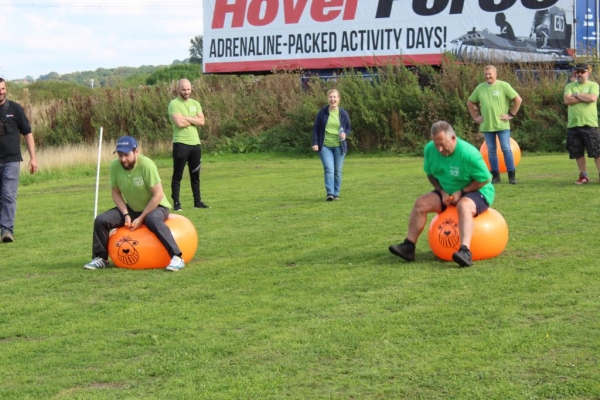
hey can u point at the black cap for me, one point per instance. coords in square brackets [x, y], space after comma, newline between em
[582, 67]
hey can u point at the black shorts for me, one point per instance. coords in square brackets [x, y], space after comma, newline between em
[580, 138]
[481, 203]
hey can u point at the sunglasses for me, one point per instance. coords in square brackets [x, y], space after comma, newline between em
[580, 72]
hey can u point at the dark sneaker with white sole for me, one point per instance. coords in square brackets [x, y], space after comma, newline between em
[201, 205]
[177, 206]
[463, 257]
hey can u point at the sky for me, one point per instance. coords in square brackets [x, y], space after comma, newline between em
[42, 36]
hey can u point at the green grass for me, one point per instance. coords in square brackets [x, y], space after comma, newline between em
[290, 296]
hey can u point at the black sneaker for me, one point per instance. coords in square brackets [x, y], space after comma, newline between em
[463, 257]
[403, 250]
[336, 197]
[200, 205]
[496, 177]
[329, 197]
[177, 206]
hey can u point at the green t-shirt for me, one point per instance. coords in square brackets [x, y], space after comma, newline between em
[494, 101]
[459, 169]
[135, 184]
[188, 108]
[332, 129]
[582, 114]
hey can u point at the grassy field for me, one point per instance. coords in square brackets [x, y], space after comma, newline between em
[293, 297]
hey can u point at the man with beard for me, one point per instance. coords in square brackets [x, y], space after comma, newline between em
[186, 116]
[139, 199]
[582, 127]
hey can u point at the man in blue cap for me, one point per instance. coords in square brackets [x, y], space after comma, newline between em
[139, 198]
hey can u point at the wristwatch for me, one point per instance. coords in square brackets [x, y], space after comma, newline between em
[511, 114]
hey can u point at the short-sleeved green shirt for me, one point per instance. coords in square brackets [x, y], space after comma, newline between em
[494, 101]
[188, 108]
[582, 114]
[332, 129]
[135, 184]
[459, 169]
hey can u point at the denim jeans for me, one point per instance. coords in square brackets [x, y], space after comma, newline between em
[504, 138]
[333, 161]
[9, 183]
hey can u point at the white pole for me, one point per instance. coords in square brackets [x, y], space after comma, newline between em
[98, 173]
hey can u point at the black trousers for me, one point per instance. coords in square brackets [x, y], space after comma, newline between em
[192, 156]
[111, 219]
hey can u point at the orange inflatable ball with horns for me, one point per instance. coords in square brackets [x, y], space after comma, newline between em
[490, 234]
[514, 147]
[140, 249]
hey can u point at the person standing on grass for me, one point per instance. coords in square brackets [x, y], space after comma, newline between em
[582, 127]
[330, 131]
[186, 116]
[13, 123]
[139, 198]
[459, 177]
[497, 103]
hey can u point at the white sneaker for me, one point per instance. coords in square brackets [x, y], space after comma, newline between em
[176, 264]
[96, 263]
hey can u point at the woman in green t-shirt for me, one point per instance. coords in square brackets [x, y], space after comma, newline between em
[330, 131]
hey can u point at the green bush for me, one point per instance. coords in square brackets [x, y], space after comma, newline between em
[174, 73]
[391, 112]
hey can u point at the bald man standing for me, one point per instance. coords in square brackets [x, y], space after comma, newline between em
[186, 116]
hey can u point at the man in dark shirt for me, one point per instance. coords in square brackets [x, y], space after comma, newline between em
[13, 123]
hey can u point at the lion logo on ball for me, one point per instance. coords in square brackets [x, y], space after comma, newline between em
[448, 233]
[127, 252]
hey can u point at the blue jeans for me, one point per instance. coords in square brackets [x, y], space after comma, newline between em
[9, 183]
[504, 138]
[333, 161]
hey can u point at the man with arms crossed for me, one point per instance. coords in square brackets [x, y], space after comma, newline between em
[582, 127]
[459, 177]
[186, 116]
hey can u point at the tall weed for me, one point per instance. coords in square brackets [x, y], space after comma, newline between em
[390, 112]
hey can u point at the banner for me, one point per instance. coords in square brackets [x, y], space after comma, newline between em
[263, 35]
[587, 30]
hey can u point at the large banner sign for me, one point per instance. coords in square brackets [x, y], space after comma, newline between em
[263, 35]
[587, 30]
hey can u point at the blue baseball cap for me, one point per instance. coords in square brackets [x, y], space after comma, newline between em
[126, 144]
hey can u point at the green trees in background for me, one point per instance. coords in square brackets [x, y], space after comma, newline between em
[103, 77]
[391, 111]
[174, 73]
[196, 49]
